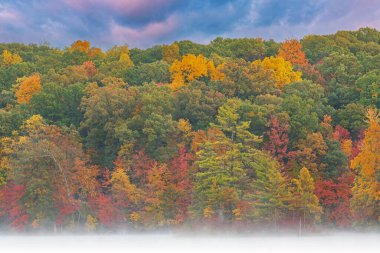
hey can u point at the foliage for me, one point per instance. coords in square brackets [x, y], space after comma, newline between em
[190, 135]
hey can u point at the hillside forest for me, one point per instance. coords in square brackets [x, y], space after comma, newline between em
[240, 133]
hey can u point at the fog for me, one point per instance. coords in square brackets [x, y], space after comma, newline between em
[340, 242]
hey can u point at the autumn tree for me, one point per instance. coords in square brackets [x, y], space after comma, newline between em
[126, 195]
[304, 200]
[9, 59]
[84, 46]
[366, 191]
[278, 70]
[277, 139]
[193, 67]
[10, 207]
[291, 51]
[44, 161]
[79, 45]
[334, 196]
[26, 87]
[120, 54]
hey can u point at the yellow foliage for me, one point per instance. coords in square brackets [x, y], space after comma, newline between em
[33, 123]
[27, 86]
[135, 217]
[122, 186]
[306, 201]
[237, 213]
[279, 70]
[208, 212]
[84, 46]
[81, 46]
[192, 67]
[366, 190]
[10, 59]
[346, 147]
[6, 148]
[185, 126]
[124, 58]
[91, 223]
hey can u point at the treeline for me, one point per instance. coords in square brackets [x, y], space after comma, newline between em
[240, 132]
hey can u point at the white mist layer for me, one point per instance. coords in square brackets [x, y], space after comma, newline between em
[358, 243]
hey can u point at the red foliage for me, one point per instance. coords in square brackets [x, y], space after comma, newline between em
[335, 198]
[66, 209]
[179, 168]
[10, 195]
[104, 209]
[340, 133]
[89, 68]
[141, 164]
[277, 143]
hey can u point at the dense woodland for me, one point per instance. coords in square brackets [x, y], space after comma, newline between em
[242, 133]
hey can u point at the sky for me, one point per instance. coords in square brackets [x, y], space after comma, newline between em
[144, 23]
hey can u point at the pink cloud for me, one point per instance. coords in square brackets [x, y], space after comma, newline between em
[124, 6]
[152, 31]
[8, 15]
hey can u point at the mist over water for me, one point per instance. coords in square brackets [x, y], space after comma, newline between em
[338, 242]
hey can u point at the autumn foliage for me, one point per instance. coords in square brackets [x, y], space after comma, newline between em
[225, 135]
[27, 86]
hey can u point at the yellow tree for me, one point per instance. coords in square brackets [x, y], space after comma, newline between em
[278, 70]
[81, 46]
[366, 191]
[305, 202]
[26, 87]
[122, 188]
[121, 54]
[291, 51]
[10, 59]
[193, 67]
[84, 46]
[170, 53]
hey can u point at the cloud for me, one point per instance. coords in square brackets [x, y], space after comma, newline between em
[144, 36]
[143, 23]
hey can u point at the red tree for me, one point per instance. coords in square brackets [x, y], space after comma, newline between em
[277, 143]
[10, 207]
[335, 198]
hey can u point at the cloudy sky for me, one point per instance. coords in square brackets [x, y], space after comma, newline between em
[143, 23]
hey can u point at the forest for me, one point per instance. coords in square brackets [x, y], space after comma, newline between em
[240, 133]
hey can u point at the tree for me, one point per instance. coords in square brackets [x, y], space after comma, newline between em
[11, 208]
[334, 196]
[270, 196]
[26, 87]
[126, 196]
[79, 45]
[304, 201]
[156, 72]
[291, 51]
[278, 70]
[218, 179]
[44, 160]
[170, 53]
[193, 67]
[366, 191]
[277, 140]
[104, 108]
[120, 54]
[10, 59]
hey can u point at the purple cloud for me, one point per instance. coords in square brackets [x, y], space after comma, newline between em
[143, 23]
